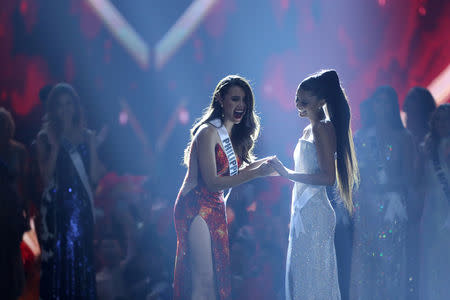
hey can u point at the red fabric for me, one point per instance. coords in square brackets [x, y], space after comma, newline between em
[210, 206]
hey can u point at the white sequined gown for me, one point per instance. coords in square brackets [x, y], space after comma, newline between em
[311, 271]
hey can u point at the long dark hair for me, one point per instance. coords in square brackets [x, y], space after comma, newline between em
[421, 97]
[7, 126]
[432, 139]
[326, 85]
[366, 113]
[393, 115]
[244, 134]
[51, 119]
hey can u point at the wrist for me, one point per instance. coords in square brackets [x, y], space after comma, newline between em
[252, 173]
[288, 174]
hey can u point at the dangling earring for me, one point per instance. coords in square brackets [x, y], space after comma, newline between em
[221, 106]
[321, 112]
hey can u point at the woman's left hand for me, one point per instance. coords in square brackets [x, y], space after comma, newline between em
[278, 166]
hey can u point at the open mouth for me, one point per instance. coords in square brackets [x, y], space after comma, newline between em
[238, 113]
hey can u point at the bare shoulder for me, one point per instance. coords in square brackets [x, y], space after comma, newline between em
[18, 146]
[307, 130]
[42, 136]
[206, 133]
[324, 129]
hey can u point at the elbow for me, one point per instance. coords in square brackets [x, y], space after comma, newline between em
[330, 180]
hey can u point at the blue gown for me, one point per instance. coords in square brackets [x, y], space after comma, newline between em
[67, 270]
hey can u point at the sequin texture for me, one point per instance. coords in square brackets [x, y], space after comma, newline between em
[67, 243]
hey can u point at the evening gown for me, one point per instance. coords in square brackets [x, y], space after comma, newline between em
[378, 268]
[311, 268]
[435, 231]
[211, 207]
[67, 234]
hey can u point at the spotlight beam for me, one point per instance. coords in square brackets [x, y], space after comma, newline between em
[121, 30]
[440, 87]
[181, 30]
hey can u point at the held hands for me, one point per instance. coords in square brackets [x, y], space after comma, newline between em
[278, 166]
[261, 167]
[264, 168]
[268, 166]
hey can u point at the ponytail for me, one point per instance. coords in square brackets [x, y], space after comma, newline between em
[326, 85]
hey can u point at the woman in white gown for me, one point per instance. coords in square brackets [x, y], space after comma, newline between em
[324, 152]
[435, 225]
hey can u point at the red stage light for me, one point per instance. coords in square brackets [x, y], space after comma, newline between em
[422, 11]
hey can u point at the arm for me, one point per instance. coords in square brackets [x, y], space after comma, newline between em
[325, 140]
[256, 164]
[97, 170]
[404, 178]
[24, 181]
[206, 140]
[47, 153]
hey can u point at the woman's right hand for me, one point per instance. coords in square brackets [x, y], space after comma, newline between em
[52, 140]
[264, 169]
[278, 166]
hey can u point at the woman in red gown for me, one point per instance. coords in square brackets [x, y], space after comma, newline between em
[202, 265]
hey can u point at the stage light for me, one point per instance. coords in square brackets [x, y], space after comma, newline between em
[422, 11]
[121, 30]
[183, 116]
[181, 30]
[123, 118]
[440, 87]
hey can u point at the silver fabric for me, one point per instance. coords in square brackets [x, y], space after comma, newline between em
[311, 270]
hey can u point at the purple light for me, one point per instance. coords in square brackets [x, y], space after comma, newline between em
[183, 116]
[123, 118]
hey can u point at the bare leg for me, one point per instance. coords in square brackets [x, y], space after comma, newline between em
[203, 286]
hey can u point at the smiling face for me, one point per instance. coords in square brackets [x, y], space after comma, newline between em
[308, 105]
[234, 104]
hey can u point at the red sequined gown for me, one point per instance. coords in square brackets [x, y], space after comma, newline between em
[210, 206]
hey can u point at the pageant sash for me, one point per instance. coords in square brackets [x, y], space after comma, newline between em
[227, 146]
[298, 202]
[79, 166]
